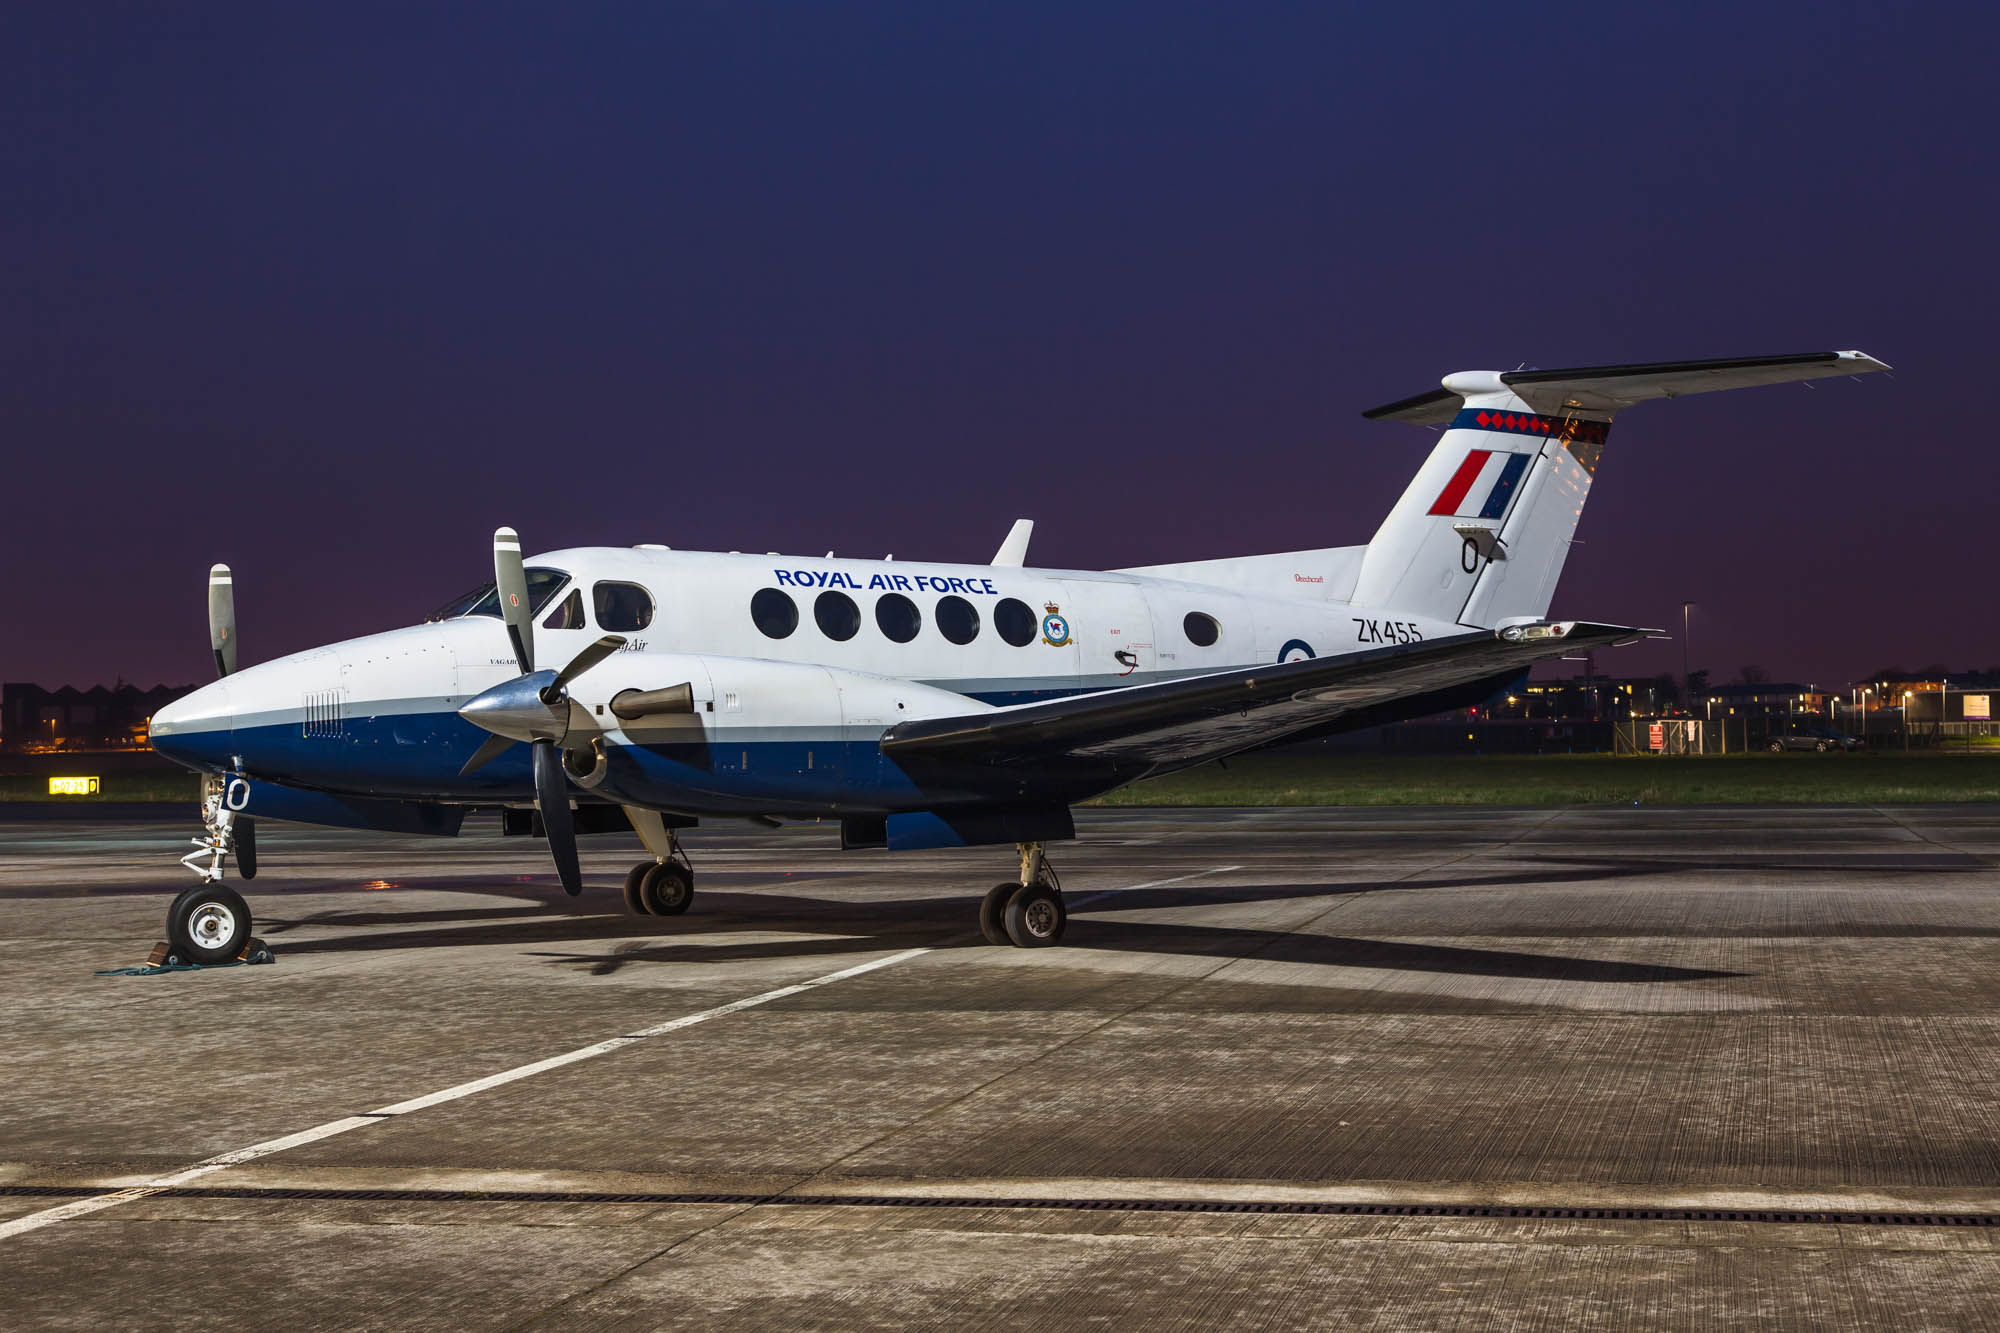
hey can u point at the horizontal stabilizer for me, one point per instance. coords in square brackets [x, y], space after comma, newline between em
[1599, 391]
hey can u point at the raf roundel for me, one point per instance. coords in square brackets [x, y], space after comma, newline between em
[1055, 629]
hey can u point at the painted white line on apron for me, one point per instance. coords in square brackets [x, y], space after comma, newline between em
[82, 1207]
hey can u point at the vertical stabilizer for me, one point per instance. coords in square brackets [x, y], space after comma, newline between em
[1481, 533]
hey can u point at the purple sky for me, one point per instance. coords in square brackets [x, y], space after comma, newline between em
[330, 294]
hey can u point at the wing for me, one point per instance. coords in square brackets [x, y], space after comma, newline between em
[1606, 389]
[1172, 724]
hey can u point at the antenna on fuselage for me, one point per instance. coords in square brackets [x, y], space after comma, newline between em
[1013, 552]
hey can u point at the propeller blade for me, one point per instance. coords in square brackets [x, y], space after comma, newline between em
[512, 583]
[583, 662]
[492, 749]
[244, 832]
[552, 799]
[222, 619]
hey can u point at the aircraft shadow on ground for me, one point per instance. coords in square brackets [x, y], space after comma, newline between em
[834, 928]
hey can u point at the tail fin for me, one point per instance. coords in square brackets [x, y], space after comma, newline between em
[1481, 534]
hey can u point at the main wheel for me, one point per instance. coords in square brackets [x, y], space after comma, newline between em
[635, 901]
[1777, 747]
[1821, 747]
[993, 913]
[1035, 916]
[667, 889]
[210, 923]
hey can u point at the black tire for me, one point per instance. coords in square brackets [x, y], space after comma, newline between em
[208, 924]
[1821, 747]
[1777, 747]
[993, 913]
[667, 889]
[635, 901]
[1035, 916]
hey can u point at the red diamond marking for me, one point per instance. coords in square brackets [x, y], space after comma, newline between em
[1483, 418]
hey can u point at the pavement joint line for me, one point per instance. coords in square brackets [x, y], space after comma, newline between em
[82, 1207]
[1150, 884]
[1925, 837]
[1355, 1204]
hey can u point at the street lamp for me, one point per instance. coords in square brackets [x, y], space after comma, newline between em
[1684, 648]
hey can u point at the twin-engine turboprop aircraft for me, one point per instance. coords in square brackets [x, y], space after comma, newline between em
[920, 705]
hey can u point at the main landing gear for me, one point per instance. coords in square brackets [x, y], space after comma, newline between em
[210, 923]
[1028, 913]
[663, 886]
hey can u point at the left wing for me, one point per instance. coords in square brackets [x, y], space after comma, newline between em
[1176, 723]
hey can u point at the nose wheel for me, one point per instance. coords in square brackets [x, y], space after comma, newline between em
[208, 924]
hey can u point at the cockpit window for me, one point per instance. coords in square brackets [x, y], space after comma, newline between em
[543, 585]
[569, 615]
[621, 606]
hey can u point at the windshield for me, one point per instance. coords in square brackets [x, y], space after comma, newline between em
[543, 585]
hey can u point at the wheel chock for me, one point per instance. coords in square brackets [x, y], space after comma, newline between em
[163, 960]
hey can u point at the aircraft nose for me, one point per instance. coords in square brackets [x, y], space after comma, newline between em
[195, 729]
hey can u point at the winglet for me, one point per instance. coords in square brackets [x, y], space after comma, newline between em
[1013, 552]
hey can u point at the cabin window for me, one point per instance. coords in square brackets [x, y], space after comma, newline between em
[569, 615]
[621, 606]
[775, 613]
[897, 617]
[1014, 621]
[837, 615]
[957, 619]
[1201, 630]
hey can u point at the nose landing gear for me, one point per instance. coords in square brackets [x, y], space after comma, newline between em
[210, 923]
[1028, 913]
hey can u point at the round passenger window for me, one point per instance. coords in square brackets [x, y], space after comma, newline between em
[837, 615]
[1201, 630]
[774, 612]
[957, 619]
[1014, 621]
[619, 606]
[897, 617]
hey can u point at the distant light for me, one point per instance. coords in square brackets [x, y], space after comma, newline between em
[72, 786]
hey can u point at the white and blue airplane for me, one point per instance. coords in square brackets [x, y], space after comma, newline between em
[919, 705]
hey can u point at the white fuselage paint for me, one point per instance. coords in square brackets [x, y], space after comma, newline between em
[749, 684]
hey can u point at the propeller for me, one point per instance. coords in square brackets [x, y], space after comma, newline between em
[222, 643]
[222, 619]
[535, 707]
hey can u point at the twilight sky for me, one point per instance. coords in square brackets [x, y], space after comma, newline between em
[331, 292]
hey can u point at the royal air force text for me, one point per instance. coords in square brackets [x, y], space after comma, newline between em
[833, 578]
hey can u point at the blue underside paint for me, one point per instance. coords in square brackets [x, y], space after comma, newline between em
[417, 756]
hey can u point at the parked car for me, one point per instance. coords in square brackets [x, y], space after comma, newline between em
[1802, 733]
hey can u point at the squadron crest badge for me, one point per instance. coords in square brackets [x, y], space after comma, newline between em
[1055, 629]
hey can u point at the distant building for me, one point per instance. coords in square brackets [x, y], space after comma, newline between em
[1584, 699]
[33, 718]
[1762, 699]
